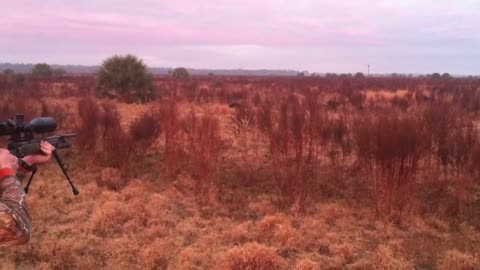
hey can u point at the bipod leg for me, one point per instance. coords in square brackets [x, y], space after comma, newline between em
[60, 163]
[30, 180]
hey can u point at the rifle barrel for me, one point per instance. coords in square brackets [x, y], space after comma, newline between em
[63, 136]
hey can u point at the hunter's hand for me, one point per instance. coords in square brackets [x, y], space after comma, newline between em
[44, 157]
[7, 160]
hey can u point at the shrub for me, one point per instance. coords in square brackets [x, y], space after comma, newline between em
[286, 130]
[264, 117]
[205, 147]
[313, 125]
[242, 118]
[441, 120]
[145, 130]
[462, 143]
[392, 147]
[125, 77]
[89, 113]
[336, 136]
[117, 144]
[169, 118]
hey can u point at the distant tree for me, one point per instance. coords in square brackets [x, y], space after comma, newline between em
[126, 77]
[180, 73]
[8, 72]
[436, 76]
[42, 70]
[58, 72]
[359, 75]
[331, 75]
[395, 75]
[304, 73]
[446, 76]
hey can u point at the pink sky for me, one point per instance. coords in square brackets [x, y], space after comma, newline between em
[322, 36]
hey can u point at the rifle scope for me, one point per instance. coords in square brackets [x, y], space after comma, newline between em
[37, 125]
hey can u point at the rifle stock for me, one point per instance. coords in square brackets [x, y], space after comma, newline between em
[24, 148]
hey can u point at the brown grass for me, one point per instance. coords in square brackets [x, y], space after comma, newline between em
[252, 256]
[456, 260]
[288, 180]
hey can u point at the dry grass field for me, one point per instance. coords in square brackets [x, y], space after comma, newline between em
[258, 173]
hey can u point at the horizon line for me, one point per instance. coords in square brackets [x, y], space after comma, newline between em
[261, 69]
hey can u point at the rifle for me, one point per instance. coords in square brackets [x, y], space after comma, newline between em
[23, 141]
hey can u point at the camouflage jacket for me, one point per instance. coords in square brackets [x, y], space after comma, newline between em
[15, 219]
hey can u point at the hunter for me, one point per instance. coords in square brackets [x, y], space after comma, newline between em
[15, 221]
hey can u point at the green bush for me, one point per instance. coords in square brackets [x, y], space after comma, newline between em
[125, 77]
[180, 73]
[42, 70]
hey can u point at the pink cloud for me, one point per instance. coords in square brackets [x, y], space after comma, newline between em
[251, 23]
[296, 29]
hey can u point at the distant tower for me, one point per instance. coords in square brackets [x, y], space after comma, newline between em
[368, 73]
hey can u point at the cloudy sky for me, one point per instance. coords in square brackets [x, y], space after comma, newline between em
[408, 36]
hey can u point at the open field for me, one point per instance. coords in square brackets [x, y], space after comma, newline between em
[258, 173]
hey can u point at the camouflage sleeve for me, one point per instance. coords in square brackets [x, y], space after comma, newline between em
[15, 219]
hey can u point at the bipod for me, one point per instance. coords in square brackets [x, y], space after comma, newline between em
[30, 180]
[60, 163]
[62, 167]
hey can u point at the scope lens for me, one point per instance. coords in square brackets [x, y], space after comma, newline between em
[42, 125]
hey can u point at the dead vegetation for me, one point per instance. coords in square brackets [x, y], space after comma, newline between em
[259, 173]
